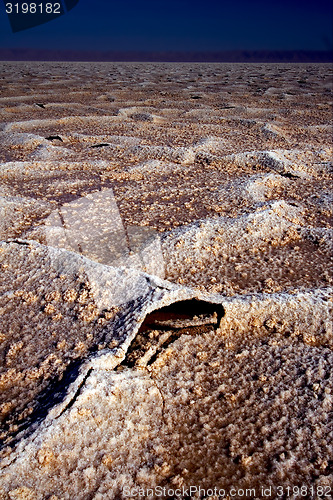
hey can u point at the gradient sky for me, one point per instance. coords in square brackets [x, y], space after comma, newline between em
[181, 25]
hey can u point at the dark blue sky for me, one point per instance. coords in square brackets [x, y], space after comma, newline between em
[181, 25]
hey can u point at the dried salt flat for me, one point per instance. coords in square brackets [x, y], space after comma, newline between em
[296, 162]
[215, 177]
[258, 188]
[48, 152]
[151, 169]
[195, 387]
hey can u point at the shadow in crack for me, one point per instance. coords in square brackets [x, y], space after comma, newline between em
[15, 427]
[159, 329]
[163, 326]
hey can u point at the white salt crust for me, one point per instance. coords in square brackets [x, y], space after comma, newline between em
[128, 188]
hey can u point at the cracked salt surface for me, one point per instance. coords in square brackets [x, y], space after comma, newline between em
[165, 300]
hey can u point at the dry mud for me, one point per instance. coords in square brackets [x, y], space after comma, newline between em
[166, 271]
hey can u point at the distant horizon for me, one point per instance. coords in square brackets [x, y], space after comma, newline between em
[268, 56]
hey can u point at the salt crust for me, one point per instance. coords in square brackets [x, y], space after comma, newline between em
[60, 307]
[187, 412]
[78, 449]
[17, 212]
[245, 403]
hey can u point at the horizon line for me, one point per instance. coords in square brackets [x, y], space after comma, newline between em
[70, 55]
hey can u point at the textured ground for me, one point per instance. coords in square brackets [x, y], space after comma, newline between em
[207, 188]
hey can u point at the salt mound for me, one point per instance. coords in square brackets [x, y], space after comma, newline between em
[289, 163]
[24, 139]
[252, 191]
[60, 307]
[276, 222]
[16, 213]
[236, 405]
[47, 152]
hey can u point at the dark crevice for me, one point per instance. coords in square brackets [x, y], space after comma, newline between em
[103, 145]
[163, 327]
[18, 242]
[62, 219]
[77, 393]
[191, 312]
[190, 317]
[289, 175]
[54, 138]
[52, 395]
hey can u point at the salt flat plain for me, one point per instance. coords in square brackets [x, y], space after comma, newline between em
[166, 271]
